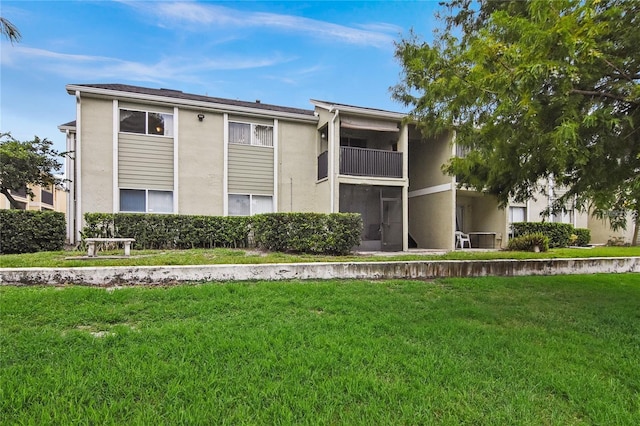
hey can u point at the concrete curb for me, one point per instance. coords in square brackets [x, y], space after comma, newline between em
[125, 275]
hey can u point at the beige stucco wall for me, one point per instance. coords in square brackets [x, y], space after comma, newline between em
[96, 155]
[200, 163]
[297, 168]
[426, 158]
[482, 214]
[601, 232]
[431, 220]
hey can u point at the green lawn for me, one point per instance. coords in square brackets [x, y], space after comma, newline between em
[229, 256]
[535, 350]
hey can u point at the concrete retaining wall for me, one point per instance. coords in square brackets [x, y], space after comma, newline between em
[124, 275]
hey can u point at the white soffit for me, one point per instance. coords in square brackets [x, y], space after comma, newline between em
[368, 124]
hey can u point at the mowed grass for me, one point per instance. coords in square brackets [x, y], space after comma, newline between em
[239, 256]
[533, 350]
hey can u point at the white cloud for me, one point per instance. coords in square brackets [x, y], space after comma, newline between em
[200, 17]
[76, 66]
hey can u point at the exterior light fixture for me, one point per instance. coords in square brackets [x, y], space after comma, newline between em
[200, 116]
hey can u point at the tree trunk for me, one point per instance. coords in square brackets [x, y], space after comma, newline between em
[634, 241]
[12, 201]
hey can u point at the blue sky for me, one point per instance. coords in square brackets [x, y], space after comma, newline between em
[282, 53]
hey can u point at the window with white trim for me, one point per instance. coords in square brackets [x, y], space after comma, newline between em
[146, 122]
[249, 204]
[250, 134]
[517, 214]
[146, 201]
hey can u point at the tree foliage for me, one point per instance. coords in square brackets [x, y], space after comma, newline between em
[27, 163]
[534, 89]
[9, 30]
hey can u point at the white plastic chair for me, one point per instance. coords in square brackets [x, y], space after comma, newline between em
[461, 238]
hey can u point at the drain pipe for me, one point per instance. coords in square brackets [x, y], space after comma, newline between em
[78, 169]
[332, 150]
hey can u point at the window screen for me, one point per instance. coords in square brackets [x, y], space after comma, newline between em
[132, 200]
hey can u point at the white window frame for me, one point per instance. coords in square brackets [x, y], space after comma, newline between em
[251, 212]
[524, 215]
[146, 200]
[146, 123]
[252, 134]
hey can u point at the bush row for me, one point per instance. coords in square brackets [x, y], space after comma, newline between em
[30, 231]
[334, 233]
[559, 234]
[171, 231]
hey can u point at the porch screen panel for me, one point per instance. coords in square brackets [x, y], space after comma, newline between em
[145, 162]
[250, 170]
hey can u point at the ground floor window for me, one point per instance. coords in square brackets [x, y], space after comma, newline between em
[146, 201]
[517, 214]
[249, 204]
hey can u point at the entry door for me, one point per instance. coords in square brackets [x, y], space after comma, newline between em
[391, 229]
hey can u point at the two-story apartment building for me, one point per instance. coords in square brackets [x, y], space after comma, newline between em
[164, 151]
[146, 150]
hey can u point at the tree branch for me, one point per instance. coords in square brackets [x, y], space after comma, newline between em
[12, 200]
[601, 94]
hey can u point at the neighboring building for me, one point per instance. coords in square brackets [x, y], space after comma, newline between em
[53, 198]
[145, 150]
[601, 232]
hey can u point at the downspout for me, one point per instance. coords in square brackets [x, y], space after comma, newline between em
[332, 150]
[78, 168]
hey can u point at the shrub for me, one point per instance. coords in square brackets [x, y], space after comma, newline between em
[154, 231]
[529, 242]
[27, 231]
[583, 236]
[335, 233]
[559, 233]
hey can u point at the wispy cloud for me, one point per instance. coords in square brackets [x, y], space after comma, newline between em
[76, 66]
[201, 16]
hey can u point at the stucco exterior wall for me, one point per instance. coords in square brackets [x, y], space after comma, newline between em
[200, 163]
[426, 158]
[96, 155]
[323, 197]
[297, 163]
[486, 216]
[431, 220]
[601, 231]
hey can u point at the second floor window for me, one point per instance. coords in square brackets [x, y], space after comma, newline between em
[250, 134]
[146, 122]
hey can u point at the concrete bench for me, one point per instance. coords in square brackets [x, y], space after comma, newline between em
[91, 244]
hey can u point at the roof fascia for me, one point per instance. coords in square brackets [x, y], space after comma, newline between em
[63, 129]
[359, 110]
[207, 106]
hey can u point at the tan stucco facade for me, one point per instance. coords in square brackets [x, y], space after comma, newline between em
[297, 189]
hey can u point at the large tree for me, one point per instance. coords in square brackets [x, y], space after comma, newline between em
[535, 90]
[23, 164]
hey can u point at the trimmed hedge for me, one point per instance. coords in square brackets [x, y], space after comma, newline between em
[30, 231]
[155, 231]
[583, 236]
[559, 233]
[528, 242]
[335, 233]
